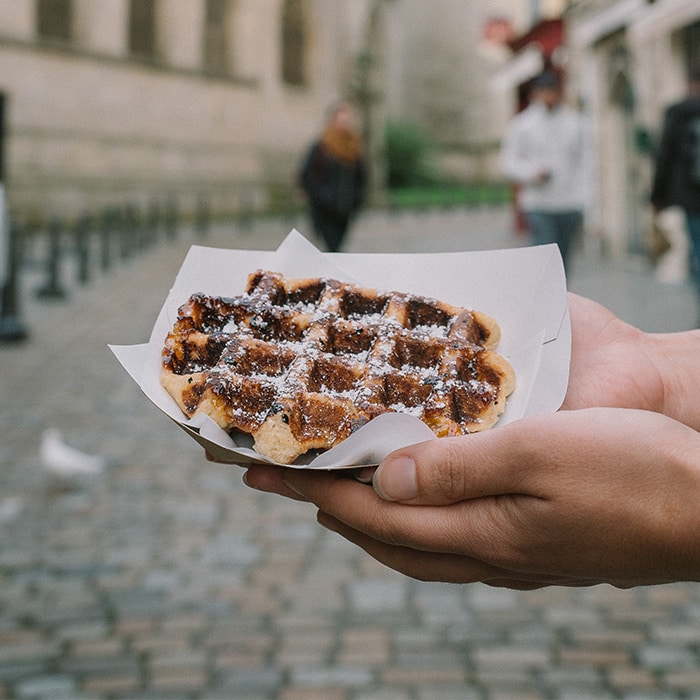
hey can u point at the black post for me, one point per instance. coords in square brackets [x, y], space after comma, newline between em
[53, 288]
[245, 210]
[132, 231]
[202, 216]
[135, 219]
[106, 228]
[11, 326]
[82, 248]
[153, 222]
[171, 217]
[125, 233]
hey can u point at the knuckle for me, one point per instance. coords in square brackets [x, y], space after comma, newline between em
[444, 479]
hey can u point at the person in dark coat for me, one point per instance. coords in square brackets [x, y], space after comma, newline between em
[677, 167]
[333, 176]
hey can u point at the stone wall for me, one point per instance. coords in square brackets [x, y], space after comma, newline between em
[90, 124]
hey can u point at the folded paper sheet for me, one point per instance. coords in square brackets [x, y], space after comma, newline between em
[524, 289]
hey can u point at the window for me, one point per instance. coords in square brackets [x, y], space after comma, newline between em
[142, 28]
[216, 36]
[54, 19]
[294, 41]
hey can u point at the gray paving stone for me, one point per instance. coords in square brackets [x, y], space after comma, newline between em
[576, 693]
[512, 657]
[343, 676]
[378, 595]
[667, 657]
[575, 683]
[384, 694]
[49, 686]
[485, 598]
[162, 581]
[455, 692]
[107, 665]
[251, 681]
[16, 671]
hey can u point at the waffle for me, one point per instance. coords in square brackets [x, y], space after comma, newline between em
[302, 364]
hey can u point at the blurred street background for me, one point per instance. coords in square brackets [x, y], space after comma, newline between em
[133, 569]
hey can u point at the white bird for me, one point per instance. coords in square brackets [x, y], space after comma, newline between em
[10, 508]
[65, 461]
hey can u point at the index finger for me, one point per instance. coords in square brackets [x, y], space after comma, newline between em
[473, 528]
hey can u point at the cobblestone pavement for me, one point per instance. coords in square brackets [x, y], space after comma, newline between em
[164, 577]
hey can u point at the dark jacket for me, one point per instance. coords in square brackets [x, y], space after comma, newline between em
[677, 156]
[337, 189]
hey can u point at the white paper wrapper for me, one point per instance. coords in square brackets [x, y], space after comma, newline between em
[524, 289]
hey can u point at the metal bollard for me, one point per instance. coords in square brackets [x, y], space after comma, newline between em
[82, 248]
[245, 211]
[129, 236]
[134, 230]
[202, 217]
[53, 289]
[11, 326]
[123, 232]
[153, 219]
[171, 217]
[106, 227]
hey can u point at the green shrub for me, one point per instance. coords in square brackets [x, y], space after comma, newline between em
[408, 155]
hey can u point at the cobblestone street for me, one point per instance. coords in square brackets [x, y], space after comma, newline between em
[164, 577]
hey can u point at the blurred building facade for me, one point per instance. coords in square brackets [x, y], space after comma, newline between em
[445, 56]
[627, 60]
[108, 100]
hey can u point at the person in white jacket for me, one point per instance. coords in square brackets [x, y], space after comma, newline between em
[546, 152]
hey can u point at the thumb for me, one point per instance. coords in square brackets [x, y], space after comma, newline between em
[449, 470]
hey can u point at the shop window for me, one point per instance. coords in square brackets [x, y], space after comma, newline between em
[216, 36]
[54, 19]
[142, 28]
[294, 40]
[620, 88]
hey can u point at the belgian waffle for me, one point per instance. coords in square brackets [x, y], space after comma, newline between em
[302, 364]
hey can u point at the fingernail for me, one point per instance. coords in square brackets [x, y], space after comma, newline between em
[395, 479]
[250, 483]
[366, 474]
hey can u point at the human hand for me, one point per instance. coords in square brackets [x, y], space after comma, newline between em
[574, 498]
[611, 361]
[614, 364]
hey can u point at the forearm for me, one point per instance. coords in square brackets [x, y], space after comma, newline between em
[677, 359]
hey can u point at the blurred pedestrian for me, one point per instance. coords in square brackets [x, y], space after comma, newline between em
[334, 177]
[546, 152]
[677, 167]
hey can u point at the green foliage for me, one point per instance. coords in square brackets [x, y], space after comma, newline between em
[408, 155]
[466, 195]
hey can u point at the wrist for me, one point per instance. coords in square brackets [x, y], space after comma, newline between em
[674, 357]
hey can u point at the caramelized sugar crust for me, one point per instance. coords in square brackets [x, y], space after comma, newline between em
[301, 364]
